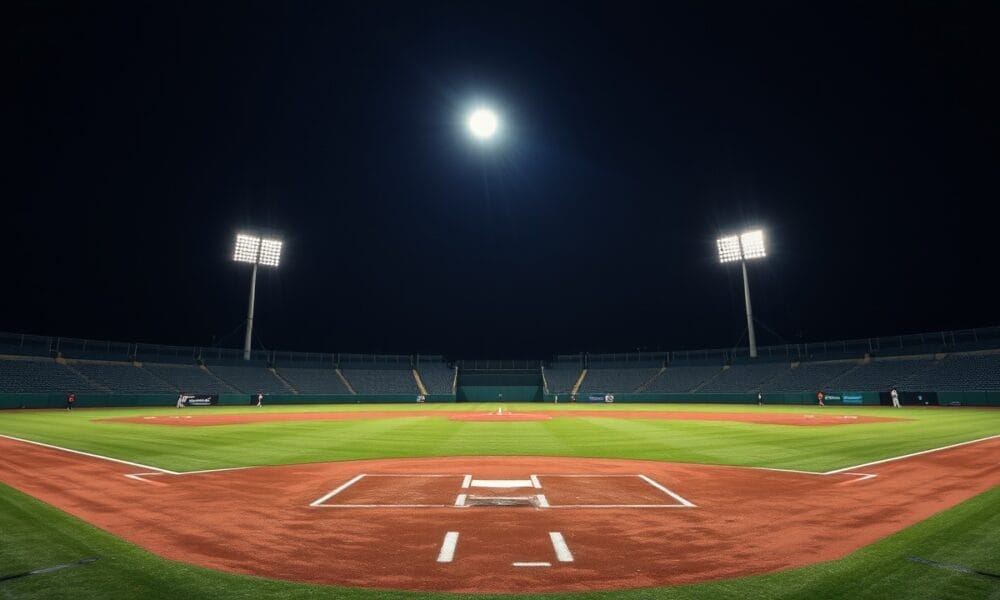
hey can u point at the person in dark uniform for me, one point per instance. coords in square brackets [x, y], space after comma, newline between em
[70, 400]
[819, 398]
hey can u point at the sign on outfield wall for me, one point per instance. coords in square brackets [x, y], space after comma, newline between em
[197, 400]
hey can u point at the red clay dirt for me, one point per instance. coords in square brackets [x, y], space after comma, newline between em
[259, 521]
[500, 418]
[207, 419]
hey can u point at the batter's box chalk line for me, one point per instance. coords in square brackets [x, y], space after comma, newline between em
[559, 546]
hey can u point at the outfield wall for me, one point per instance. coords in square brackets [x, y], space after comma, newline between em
[84, 400]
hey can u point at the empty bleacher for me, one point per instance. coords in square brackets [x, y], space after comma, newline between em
[960, 373]
[618, 380]
[313, 380]
[809, 376]
[883, 374]
[189, 378]
[122, 378]
[748, 377]
[438, 377]
[681, 379]
[250, 379]
[40, 375]
[561, 377]
[381, 381]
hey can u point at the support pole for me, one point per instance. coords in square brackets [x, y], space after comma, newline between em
[253, 292]
[746, 294]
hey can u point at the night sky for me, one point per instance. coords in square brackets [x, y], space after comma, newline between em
[140, 137]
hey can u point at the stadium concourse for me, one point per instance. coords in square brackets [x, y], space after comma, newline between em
[961, 367]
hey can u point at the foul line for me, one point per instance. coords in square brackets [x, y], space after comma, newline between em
[910, 455]
[337, 491]
[842, 470]
[91, 455]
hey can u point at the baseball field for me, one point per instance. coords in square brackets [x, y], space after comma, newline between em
[462, 501]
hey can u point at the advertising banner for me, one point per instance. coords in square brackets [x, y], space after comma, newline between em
[197, 400]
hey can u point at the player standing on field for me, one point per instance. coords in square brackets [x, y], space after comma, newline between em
[260, 399]
[760, 397]
[819, 398]
[895, 397]
[70, 400]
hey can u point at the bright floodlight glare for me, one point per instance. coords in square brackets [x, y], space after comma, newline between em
[483, 123]
[270, 252]
[246, 248]
[729, 249]
[753, 244]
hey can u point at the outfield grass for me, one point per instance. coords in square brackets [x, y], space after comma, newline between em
[745, 444]
[36, 535]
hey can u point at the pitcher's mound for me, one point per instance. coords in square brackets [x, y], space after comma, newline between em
[500, 417]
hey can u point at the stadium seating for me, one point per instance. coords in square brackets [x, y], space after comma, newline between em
[41, 375]
[960, 373]
[313, 380]
[745, 377]
[809, 376]
[381, 381]
[123, 378]
[685, 378]
[561, 377]
[189, 378]
[882, 374]
[250, 379]
[616, 380]
[438, 377]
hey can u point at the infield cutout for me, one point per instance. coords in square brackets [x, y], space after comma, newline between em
[580, 490]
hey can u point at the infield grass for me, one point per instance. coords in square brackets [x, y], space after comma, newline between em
[34, 535]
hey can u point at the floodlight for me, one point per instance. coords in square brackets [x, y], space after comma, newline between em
[270, 252]
[729, 249]
[246, 248]
[483, 123]
[733, 248]
[753, 244]
[256, 251]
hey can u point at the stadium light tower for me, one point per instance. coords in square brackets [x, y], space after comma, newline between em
[743, 247]
[257, 251]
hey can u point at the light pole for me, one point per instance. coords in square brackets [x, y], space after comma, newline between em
[257, 251]
[743, 247]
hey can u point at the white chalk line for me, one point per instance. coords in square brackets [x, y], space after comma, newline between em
[336, 491]
[663, 489]
[842, 470]
[531, 564]
[910, 455]
[559, 545]
[502, 483]
[90, 454]
[447, 552]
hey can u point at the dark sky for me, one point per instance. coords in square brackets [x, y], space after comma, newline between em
[140, 136]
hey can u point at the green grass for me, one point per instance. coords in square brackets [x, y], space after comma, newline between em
[746, 444]
[35, 535]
